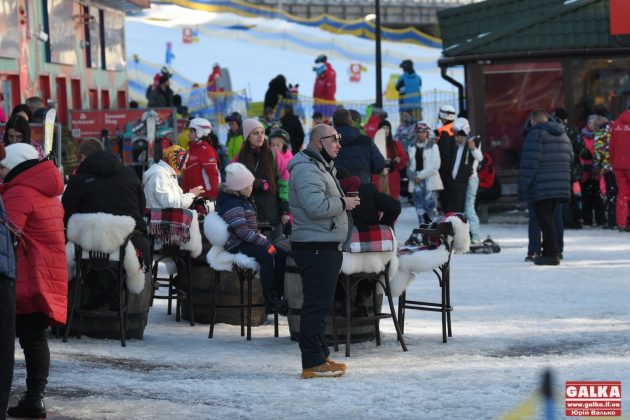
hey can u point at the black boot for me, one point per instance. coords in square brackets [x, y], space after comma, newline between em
[272, 303]
[30, 405]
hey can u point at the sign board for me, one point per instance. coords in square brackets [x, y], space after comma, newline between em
[619, 12]
[90, 123]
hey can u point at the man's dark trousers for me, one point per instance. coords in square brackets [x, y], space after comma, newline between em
[320, 271]
[545, 212]
[7, 340]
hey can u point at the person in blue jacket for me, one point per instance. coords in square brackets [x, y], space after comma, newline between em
[409, 87]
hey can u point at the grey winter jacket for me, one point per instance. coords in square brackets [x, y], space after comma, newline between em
[7, 252]
[545, 170]
[315, 200]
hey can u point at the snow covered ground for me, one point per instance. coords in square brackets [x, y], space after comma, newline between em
[511, 321]
[255, 50]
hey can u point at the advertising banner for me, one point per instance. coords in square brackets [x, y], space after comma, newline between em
[88, 123]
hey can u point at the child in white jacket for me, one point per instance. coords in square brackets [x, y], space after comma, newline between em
[423, 173]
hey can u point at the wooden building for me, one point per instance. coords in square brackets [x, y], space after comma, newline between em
[66, 50]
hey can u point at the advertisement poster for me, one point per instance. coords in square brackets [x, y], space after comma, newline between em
[116, 121]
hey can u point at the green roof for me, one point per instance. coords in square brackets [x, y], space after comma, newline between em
[508, 26]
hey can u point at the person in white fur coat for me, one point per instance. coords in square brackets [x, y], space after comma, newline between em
[161, 188]
[423, 173]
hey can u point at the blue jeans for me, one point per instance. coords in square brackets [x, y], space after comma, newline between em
[534, 230]
[425, 202]
[271, 266]
[469, 209]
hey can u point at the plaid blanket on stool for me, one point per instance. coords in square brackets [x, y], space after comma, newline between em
[378, 238]
[170, 225]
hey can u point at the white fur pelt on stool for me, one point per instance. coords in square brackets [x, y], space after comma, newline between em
[216, 230]
[369, 262]
[428, 260]
[106, 233]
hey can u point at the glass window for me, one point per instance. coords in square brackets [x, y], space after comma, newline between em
[62, 36]
[9, 33]
[600, 87]
[512, 91]
[114, 40]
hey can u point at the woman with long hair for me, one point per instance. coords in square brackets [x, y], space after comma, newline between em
[396, 161]
[271, 195]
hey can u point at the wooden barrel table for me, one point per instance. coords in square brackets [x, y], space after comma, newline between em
[361, 330]
[105, 324]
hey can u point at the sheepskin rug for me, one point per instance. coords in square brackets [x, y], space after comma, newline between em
[106, 233]
[216, 230]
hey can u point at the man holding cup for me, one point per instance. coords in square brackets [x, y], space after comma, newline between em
[321, 224]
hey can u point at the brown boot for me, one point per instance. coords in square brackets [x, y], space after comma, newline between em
[325, 370]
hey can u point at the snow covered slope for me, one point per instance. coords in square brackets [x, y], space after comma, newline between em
[256, 49]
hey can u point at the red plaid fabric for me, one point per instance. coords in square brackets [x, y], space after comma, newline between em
[371, 239]
[170, 225]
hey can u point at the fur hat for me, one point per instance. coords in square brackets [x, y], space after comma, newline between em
[237, 176]
[249, 125]
[18, 153]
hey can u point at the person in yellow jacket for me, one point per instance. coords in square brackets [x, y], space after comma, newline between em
[182, 138]
[235, 135]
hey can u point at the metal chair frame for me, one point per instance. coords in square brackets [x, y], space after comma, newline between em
[381, 278]
[99, 261]
[245, 277]
[443, 274]
[181, 258]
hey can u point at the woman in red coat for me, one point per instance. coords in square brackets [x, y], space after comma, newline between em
[397, 159]
[30, 193]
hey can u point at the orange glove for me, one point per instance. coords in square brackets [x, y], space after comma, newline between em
[271, 250]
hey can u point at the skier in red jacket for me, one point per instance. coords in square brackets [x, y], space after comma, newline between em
[30, 192]
[325, 86]
[202, 166]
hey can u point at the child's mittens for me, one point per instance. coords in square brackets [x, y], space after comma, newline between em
[271, 250]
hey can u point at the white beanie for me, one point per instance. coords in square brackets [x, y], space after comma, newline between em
[18, 153]
[238, 177]
[249, 125]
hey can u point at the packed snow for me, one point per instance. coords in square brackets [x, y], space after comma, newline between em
[255, 50]
[511, 321]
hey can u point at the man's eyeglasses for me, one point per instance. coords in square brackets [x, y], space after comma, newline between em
[335, 138]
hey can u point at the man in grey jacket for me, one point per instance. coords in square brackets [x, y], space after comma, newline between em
[545, 177]
[320, 225]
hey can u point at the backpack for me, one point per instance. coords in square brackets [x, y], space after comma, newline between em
[489, 184]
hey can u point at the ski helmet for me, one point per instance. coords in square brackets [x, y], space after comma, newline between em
[201, 126]
[236, 117]
[461, 125]
[447, 113]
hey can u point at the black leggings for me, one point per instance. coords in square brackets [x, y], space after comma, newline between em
[271, 266]
[31, 330]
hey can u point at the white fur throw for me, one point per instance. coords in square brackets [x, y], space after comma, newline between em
[216, 230]
[461, 240]
[106, 233]
[369, 262]
[428, 260]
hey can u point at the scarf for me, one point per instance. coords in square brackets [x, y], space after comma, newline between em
[176, 158]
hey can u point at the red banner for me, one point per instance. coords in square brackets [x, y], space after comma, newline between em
[619, 12]
[86, 123]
